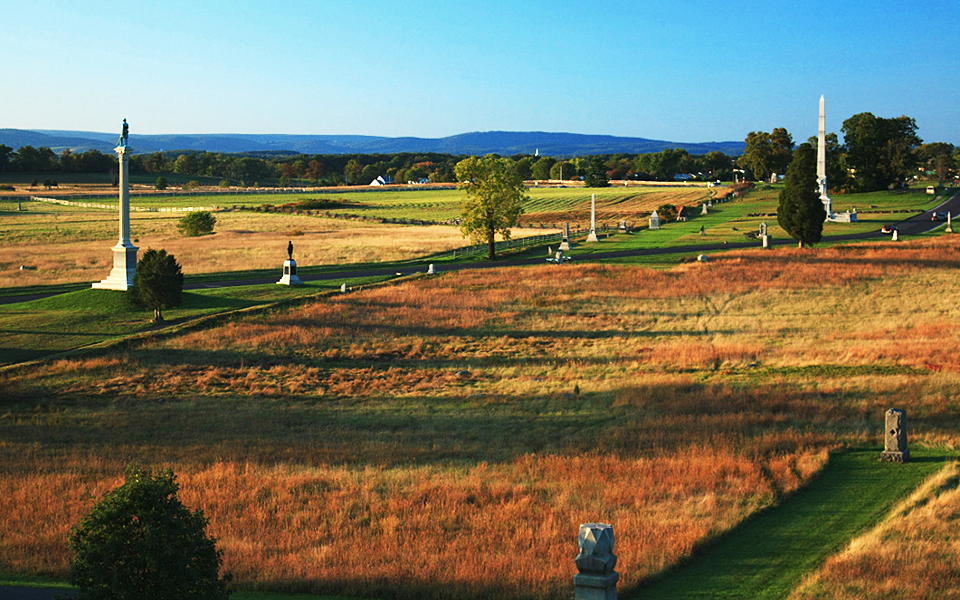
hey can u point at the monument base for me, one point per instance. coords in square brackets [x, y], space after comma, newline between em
[596, 587]
[290, 274]
[124, 268]
[900, 457]
[593, 236]
[766, 240]
[564, 245]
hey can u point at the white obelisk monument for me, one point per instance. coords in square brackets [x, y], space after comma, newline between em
[124, 253]
[822, 162]
[593, 219]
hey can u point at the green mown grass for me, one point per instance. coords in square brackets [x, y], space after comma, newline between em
[767, 556]
[73, 320]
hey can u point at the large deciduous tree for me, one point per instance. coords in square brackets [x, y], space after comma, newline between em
[768, 153]
[801, 213]
[880, 151]
[938, 156]
[158, 282]
[494, 202]
[141, 542]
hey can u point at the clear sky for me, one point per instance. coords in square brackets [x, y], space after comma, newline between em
[682, 70]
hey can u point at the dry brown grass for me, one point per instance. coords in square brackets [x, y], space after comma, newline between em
[67, 245]
[338, 446]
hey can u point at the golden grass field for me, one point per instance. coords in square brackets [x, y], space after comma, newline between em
[64, 245]
[445, 437]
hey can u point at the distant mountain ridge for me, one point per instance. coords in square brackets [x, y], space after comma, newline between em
[506, 143]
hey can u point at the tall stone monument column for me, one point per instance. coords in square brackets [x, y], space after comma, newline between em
[822, 162]
[593, 219]
[124, 253]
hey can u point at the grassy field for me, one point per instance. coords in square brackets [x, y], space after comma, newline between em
[247, 241]
[444, 437]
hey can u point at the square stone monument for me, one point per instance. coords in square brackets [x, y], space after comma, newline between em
[565, 244]
[655, 220]
[895, 437]
[290, 274]
[596, 580]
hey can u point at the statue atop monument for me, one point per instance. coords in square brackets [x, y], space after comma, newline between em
[124, 135]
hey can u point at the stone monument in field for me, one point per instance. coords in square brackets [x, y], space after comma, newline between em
[593, 219]
[895, 437]
[290, 276]
[124, 253]
[596, 579]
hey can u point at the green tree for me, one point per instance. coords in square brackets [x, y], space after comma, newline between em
[494, 202]
[140, 541]
[596, 175]
[158, 283]
[938, 156]
[197, 223]
[880, 151]
[801, 213]
[161, 183]
[767, 153]
[5, 153]
[541, 168]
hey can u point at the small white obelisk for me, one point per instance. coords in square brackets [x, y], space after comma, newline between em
[593, 219]
[822, 162]
[124, 253]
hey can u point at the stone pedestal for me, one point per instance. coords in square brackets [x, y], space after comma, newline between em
[895, 437]
[565, 243]
[290, 274]
[124, 253]
[766, 240]
[949, 228]
[596, 587]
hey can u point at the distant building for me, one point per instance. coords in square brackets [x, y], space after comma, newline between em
[382, 180]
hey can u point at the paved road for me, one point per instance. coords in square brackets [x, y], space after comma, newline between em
[913, 226]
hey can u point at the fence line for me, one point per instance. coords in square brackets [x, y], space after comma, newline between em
[117, 206]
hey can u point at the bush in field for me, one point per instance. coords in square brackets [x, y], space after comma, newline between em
[197, 223]
[191, 185]
[161, 183]
[668, 212]
[140, 541]
[224, 183]
[158, 282]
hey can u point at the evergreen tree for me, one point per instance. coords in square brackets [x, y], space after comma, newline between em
[141, 542]
[158, 282]
[801, 213]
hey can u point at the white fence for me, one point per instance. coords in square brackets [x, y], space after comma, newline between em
[117, 207]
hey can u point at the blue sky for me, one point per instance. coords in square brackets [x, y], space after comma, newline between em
[682, 71]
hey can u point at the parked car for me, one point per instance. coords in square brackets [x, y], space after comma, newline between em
[938, 216]
[888, 229]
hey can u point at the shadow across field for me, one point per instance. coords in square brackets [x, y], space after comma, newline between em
[767, 556]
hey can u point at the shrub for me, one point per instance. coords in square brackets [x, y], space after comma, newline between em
[197, 223]
[161, 183]
[140, 541]
[191, 185]
[224, 183]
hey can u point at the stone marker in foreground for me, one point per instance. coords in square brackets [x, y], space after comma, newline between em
[596, 580]
[895, 437]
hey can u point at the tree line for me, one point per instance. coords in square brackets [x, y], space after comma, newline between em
[877, 154]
